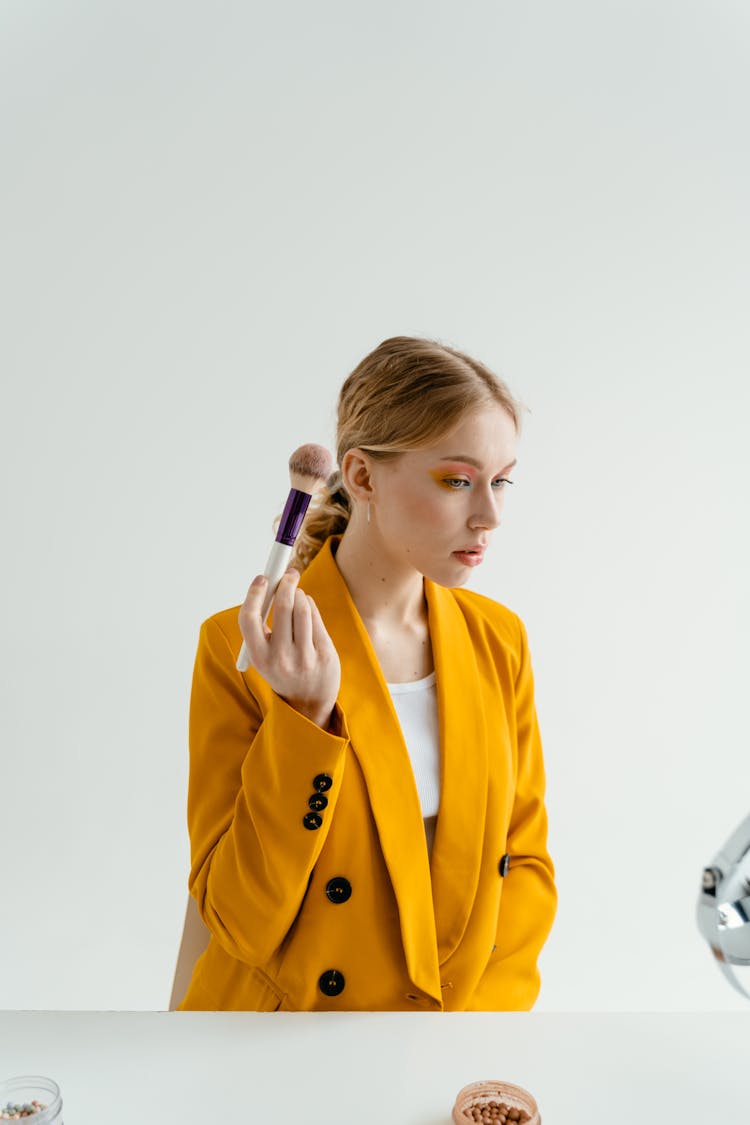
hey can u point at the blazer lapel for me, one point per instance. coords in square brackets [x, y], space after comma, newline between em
[459, 837]
[378, 743]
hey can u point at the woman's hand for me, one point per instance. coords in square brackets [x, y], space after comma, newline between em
[298, 659]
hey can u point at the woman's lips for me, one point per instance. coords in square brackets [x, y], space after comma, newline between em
[469, 558]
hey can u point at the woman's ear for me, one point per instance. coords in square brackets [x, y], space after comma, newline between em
[356, 473]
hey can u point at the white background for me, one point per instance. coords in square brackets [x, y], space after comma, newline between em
[211, 213]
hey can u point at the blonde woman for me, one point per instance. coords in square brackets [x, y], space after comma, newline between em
[366, 803]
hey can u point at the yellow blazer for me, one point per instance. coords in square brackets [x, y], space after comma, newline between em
[334, 904]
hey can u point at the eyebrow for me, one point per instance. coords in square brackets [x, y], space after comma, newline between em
[473, 461]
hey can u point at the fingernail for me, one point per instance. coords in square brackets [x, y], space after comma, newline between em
[259, 580]
[292, 572]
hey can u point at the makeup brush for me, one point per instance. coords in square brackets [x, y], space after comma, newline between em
[309, 468]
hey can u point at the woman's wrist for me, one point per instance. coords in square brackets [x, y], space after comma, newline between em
[326, 716]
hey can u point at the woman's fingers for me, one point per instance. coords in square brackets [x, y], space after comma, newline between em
[251, 618]
[282, 636]
[320, 638]
[302, 624]
[290, 613]
[297, 657]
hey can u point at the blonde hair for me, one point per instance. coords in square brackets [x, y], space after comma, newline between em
[404, 395]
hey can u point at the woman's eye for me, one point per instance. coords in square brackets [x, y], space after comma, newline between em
[461, 482]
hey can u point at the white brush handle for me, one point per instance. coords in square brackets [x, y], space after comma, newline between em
[278, 561]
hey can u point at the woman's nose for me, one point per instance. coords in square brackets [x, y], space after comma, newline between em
[487, 515]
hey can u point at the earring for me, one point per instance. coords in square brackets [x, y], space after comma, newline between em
[368, 511]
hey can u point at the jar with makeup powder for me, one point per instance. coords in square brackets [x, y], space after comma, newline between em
[31, 1098]
[495, 1102]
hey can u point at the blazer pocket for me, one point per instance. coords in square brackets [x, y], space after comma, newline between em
[268, 996]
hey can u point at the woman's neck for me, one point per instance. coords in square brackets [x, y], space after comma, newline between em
[387, 597]
[391, 602]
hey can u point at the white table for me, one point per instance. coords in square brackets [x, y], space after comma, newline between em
[159, 1068]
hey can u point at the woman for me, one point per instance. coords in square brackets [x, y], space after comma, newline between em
[366, 804]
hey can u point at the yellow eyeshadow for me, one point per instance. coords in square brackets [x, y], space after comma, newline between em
[441, 476]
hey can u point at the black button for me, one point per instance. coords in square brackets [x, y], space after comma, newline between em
[318, 802]
[311, 820]
[339, 889]
[331, 982]
[504, 865]
[322, 782]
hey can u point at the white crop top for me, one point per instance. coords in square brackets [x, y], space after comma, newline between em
[416, 707]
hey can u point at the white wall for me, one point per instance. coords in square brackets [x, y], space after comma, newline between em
[212, 212]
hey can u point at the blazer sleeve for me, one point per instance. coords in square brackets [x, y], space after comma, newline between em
[529, 899]
[253, 762]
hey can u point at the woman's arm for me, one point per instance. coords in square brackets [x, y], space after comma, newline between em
[255, 762]
[529, 899]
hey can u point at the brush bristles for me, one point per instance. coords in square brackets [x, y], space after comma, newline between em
[309, 467]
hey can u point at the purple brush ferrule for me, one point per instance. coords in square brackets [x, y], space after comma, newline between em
[292, 516]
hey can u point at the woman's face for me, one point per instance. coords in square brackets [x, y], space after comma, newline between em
[434, 509]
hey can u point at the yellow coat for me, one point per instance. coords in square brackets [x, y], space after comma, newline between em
[353, 914]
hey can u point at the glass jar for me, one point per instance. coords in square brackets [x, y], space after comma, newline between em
[30, 1088]
[481, 1094]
